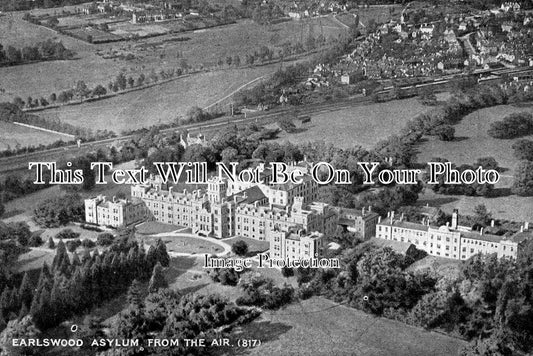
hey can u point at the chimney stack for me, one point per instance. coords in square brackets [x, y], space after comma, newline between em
[401, 217]
[455, 218]
[363, 212]
[379, 219]
[481, 231]
[392, 217]
[522, 228]
[526, 225]
[370, 208]
[492, 223]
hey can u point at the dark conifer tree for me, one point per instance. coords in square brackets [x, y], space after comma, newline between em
[26, 291]
[158, 280]
[135, 298]
[162, 254]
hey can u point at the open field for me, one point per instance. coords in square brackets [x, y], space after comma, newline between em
[159, 104]
[510, 207]
[380, 14]
[204, 48]
[359, 125]
[12, 135]
[473, 142]
[311, 328]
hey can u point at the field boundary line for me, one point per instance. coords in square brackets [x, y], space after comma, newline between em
[43, 129]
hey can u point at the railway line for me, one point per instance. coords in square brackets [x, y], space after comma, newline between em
[20, 162]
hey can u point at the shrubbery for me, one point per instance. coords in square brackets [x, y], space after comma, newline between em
[523, 150]
[105, 239]
[262, 292]
[512, 126]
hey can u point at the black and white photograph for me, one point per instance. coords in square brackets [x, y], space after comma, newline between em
[266, 177]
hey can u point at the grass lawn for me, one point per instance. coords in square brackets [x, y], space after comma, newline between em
[359, 125]
[473, 142]
[34, 259]
[155, 227]
[320, 327]
[186, 244]
[12, 136]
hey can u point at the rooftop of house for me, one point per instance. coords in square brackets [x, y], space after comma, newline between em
[296, 235]
[404, 224]
[398, 246]
[477, 235]
[347, 214]
[521, 236]
[248, 196]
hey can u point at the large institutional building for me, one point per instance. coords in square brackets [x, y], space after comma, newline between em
[115, 213]
[452, 241]
[250, 210]
[289, 217]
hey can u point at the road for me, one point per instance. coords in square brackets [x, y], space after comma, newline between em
[62, 154]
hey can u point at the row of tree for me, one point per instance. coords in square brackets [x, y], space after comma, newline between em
[42, 51]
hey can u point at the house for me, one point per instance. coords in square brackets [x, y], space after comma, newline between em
[510, 6]
[427, 29]
[90, 9]
[190, 140]
[507, 27]
[295, 15]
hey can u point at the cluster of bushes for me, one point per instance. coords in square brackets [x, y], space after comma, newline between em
[105, 239]
[60, 210]
[261, 292]
[195, 114]
[523, 150]
[512, 126]
[523, 182]
[42, 51]
[225, 276]
[20, 234]
[474, 189]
